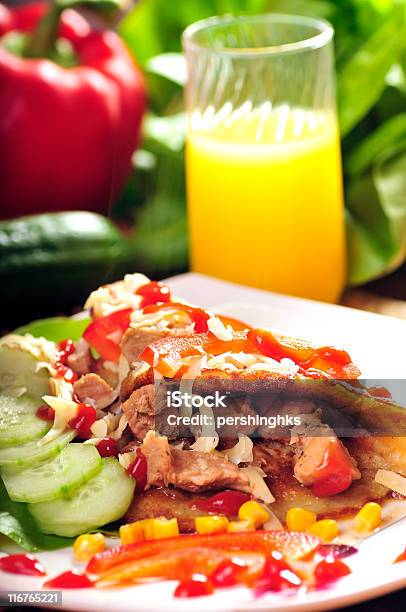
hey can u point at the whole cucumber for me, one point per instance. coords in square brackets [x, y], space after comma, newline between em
[49, 263]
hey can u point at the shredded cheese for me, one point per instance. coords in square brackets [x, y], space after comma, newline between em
[241, 452]
[392, 480]
[259, 487]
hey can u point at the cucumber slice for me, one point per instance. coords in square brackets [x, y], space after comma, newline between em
[103, 499]
[18, 368]
[32, 453]
[18, 422]
[49, 480]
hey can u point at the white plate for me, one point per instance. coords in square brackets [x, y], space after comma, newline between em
[376, 344]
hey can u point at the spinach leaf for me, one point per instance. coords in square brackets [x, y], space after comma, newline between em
[17, 524]
[361, 81]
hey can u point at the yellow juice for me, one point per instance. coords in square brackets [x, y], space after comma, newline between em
[265, 203]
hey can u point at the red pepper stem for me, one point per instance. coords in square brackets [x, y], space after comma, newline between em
[43, 40]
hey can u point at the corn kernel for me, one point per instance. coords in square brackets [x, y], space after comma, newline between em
[236, 526]
[253, 512]
[211, 524]
[299, 519]
[327, 529]
[157, 528]
[132, 532]
[87, 545]
[369, 517]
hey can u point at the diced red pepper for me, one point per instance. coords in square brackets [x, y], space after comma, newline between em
[226, 502]
[21, 564]
[69, 580]
[198, 586]
[329, 570]
[153, 293]
[138, 470]
[166, 355]
[83, 420]
[291, 544]
[107, 447]
[46, 413]
[104, 334]
[335, 473]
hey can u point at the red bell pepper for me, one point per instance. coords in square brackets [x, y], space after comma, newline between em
[104, 334]
[67, 134]
[166, 355]
[292, 545]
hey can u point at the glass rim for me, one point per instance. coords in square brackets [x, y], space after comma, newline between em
[321, 38]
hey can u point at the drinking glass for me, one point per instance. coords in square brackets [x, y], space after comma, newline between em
[263, 164]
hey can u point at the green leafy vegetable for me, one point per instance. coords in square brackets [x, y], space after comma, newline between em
[17, 524]
[56, 328]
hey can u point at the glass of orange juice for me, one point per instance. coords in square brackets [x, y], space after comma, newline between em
[263, 165]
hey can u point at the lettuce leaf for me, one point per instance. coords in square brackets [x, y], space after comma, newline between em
[56, 328]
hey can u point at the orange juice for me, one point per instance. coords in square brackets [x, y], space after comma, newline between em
[265, 202]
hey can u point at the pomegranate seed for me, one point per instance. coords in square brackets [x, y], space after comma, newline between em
[84, 419]
[107, 447]
[46, 413]
[138, 470]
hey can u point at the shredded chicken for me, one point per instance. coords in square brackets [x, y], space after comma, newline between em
[189, 470]
[93, 390]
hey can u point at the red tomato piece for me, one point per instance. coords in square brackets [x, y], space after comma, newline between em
[401, 557]
[107, 447]
[104, 334]
[153, 293]
[22, 564]
[69, 580]
[329, 570]
[335, 473]
[138, 470]
[84, 419]
[197, 586]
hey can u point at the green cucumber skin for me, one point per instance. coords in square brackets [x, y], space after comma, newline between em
[58, 258]
[70, 517]
[26, 486]
[25, 455]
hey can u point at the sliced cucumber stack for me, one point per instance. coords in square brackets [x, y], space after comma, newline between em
[29, 454]
[49, 480]
[101, 500]
[18, 420]
[19, 367]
